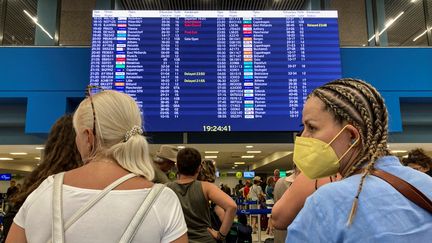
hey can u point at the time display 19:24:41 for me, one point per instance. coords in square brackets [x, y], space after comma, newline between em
[226, 128]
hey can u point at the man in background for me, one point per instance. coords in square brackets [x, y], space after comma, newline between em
[164, 161]
[12, 189]
[237, 189]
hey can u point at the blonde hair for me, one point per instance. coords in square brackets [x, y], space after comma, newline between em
[116, 114]
[359, 104]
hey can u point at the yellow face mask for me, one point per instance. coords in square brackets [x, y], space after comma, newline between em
[317, 159]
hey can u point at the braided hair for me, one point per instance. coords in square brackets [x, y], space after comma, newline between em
[60, 154]
[359, 104]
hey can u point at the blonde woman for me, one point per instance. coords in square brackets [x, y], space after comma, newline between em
[346, 131]
[109, 138]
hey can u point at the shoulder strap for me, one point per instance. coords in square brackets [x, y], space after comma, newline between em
[141, 214]
[57, 214]
[58, 229]
[406, 189]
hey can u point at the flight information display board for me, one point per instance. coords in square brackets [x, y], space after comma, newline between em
[194, 71]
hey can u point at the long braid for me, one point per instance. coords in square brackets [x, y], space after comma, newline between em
[358, 103]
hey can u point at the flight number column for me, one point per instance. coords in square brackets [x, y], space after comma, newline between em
[109, 26]
[95, 66]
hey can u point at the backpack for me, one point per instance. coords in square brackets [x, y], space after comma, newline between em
[239, 234]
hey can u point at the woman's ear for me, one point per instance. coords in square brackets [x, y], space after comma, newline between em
[354, 134]
[90, 137]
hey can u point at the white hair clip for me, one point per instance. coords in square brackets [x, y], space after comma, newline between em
[134, 131]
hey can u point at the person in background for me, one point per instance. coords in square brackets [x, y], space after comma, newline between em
[270, 187]
[276, 174]
[290, 201]
[256, 194]
[237, 189]
[194, 196]
[346, 130]
[12, 190]
[208, 173]
[418, 160]
[243, 231]
[164, 161]
[108, 127]
[245, 190]
[280, 187]
[270, 201]
[60, 154]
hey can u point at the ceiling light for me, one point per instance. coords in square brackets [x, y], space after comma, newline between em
[422, 34]
[39, 148]
[235, 165]
[249, 146]
[40, 26]
[248, 156]
[253, 152]
[211, 152]
[405, 156]
[6, 158]
[210, 157]
[387, 25]
[399, 151]
[181, 147]
[239, 163]
[37, 158]
[18, 153]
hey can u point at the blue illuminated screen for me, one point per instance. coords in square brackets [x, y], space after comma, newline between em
[248, 174]
[5, 177]
[216, 71]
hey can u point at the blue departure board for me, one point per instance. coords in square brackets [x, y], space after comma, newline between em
[216, 71]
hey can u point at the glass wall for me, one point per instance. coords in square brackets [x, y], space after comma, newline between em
[17, 24]
[361, 22]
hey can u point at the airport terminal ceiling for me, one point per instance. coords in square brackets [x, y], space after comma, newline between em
[263, 158]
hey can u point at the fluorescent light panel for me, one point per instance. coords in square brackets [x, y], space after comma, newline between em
[18, 153]
[422, 34]
[249, 146]
[253, 152]
[399, 151]
[40, 148]
[387, 25]
[6, 158]
[211, 152]
[248, 156]
[239, 163]
[210, 157]
[40, 26]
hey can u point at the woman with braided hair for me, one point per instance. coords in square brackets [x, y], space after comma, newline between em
[345, 131]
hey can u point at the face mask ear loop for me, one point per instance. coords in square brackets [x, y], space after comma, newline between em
[337, 135]
[354, 144]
